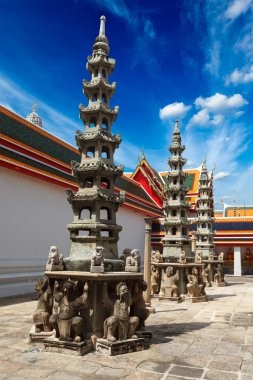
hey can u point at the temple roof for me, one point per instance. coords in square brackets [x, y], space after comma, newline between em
[32, 151]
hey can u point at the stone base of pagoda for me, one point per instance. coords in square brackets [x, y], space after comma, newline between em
[120, 346]
[219, 284]
[175, 299]
[198, 299]
[70, 348]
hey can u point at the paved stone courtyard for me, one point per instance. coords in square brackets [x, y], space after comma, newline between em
[212, 340]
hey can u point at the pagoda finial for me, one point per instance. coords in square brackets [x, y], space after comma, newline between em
[143, 154]
[102, 26]
[34, 107]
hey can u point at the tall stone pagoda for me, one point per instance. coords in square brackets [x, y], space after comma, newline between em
[204, 233]
[95, 204]
[93, 300]
[175, 207]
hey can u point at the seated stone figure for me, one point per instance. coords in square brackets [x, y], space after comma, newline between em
[196, 285]
[44, 306]
[138, 306]
[55, 259]
[133, 261]
[169, 286]
[154, 278]
[219, 275]
[156, 256]
[206, 275]
[182, 258]
[69, 322]
[97, 260]
[198, 257]
[210, 256]
[120, 324]
[125, 254]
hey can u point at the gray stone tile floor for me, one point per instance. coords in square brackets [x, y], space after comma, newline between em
[211, 340]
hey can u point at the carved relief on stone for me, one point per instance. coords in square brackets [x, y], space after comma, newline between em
[133, 261]
[210, 256]
[154, 278]
[120, 326]
[198, 258]
[219, 275]
[55, 259]
[169, 286]
[97, 260]
[44, 306]
[70, 323]
[182, 258]
[196, 285]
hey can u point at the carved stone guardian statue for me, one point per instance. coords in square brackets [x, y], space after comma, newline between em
[156, 256]
[133, 261]
[154, 278]
[221, 256]
[120, 325]
[196, 285]
[70, 323]
[169, 286]
[198, 258]
[97, 261]
[55, 259]
[219, 275]
[44, 306]
[182, 258]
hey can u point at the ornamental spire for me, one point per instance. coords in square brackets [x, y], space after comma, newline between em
[102, 26]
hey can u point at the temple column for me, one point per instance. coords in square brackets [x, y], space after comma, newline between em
[237, 261]
[147, 262]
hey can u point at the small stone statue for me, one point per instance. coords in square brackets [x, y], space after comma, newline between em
[97, 261]
[198, 258]
[169, 287]
[182, 258]
[69, 322]
[206, 275]
[133, 261]
[156, 256]
[196, 285]
[55, 259]
[125, 254]
[120, 323]
[44, 306]
[154, 278]
[221, 256]
[219, 275]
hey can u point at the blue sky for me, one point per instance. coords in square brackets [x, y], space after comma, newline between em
[185, 59]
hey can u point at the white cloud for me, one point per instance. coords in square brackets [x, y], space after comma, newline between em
[243, 76]
[174, 110]
[221, 175]
[236, 8]
[220, 103]
[201, 118]
[149, 29]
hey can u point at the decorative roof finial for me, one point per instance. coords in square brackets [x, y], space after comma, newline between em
[102, 26]
[34, 107]
[176, 128]
[143, 154]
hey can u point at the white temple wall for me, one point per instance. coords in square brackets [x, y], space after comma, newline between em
[34, 215]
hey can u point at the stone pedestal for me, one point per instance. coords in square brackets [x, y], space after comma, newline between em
[219, 284]
[38, 337]
[183, 270]
[119, 347]
[70, 348]
[198, 299]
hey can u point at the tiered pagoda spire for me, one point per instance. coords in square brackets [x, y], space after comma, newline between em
[204, 234]
[95, 204]
[175, 207]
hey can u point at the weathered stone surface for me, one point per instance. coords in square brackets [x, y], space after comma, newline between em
[215, 375]
[150, 365]
[186, 371]
[71, 348]
[119, 347]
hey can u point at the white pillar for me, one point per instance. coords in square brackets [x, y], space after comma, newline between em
[237, 261]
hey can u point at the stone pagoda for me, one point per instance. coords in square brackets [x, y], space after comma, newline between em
[95, 204]
[93, 300]
[175, 207]
[204, 233]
